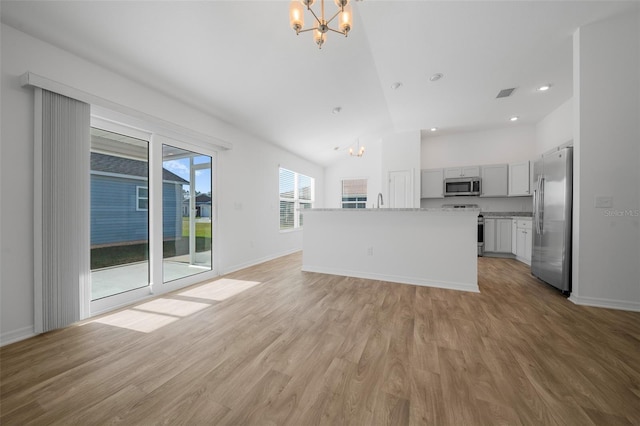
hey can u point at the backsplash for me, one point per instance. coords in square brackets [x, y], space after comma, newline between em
[498, 204]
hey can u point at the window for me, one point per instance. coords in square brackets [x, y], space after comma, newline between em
[354, 193]
[142, 198]
[296, 194]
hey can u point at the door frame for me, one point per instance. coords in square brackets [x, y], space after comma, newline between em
[103, 119]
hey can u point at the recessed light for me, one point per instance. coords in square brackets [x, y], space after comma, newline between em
[396, 85]
[433, 129]
[435, 77]
[336, 110]
[514, 118]
[544, 88]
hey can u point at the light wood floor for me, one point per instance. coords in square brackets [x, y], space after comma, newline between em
[299, 348]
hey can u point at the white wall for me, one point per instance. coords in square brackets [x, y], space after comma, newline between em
[505, 145]
[401, 151]
[606, 267]
[556, 128]
[248, 226]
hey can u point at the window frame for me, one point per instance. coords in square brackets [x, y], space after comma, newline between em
[358, 199]
[138, 198]
[296, 200]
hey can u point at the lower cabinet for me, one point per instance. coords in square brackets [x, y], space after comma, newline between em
[514, 235]
[497, 235]
[524, 240]
[509, 235]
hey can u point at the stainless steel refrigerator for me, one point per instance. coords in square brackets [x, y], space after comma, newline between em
[552, 201]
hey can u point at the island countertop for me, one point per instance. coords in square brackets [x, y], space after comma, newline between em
[384, 209]
[434, 247]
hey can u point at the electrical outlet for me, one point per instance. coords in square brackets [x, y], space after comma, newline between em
[603, 202]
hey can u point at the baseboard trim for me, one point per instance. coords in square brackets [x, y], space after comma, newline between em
[394, 279]
[16, 335]
[596, 302]
[254, 262]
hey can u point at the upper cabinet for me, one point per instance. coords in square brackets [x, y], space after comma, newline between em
[498, 180]
[431, 183]
[494, 180]
[469, 171]
[519, 179]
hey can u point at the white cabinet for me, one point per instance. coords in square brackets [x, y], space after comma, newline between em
[489, 235]
[497, 235]
[494, 180]
[514, 235]
[519, 179]
[431, 183]
[524, 240]
[469, 171]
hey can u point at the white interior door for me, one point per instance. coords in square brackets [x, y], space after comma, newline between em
[400, 189]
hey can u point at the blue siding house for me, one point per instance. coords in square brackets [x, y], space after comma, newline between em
[120, 201]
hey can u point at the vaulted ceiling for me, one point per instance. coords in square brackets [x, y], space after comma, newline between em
[240, 61]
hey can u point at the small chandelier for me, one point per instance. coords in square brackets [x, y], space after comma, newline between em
[360, 151]
[321, 25]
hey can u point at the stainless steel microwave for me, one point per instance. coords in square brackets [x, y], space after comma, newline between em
[462, 186]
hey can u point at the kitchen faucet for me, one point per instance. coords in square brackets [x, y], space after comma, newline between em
[380, 201]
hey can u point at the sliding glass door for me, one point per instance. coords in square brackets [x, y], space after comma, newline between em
[151, 215]
[119, 180]
[186, 212]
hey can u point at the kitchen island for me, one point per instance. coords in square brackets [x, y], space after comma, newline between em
[428, 247]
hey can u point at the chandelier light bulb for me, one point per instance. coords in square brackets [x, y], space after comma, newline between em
[318, 37]
[296, 16]
[346, 20]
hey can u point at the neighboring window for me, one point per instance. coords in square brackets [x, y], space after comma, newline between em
[296, 194]
[354, 193]
[142, 198]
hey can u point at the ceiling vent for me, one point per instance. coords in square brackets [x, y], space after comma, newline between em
[505, 93]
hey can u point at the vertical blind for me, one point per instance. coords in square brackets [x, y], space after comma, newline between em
[61, 214]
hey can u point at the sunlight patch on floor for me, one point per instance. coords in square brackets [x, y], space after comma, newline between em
[145, 322]
[155, 314]
[173, 307]
[219, 290]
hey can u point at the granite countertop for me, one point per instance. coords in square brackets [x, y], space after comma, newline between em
[392, 210]
[507, 214]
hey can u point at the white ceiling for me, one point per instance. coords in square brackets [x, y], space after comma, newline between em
[240, 61]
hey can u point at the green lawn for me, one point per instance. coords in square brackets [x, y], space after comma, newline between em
[203, 229]
[128, 253]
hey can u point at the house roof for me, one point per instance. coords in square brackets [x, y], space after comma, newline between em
[200, 198]
[127, 166]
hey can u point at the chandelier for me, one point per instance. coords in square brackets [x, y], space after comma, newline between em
[321, 24]
[358, 153]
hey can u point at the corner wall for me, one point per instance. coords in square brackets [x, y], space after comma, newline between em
[606, 266]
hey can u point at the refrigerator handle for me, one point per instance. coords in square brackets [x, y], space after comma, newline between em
[536, 206]
[541, 205]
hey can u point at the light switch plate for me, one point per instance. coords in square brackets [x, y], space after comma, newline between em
[603, 201]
